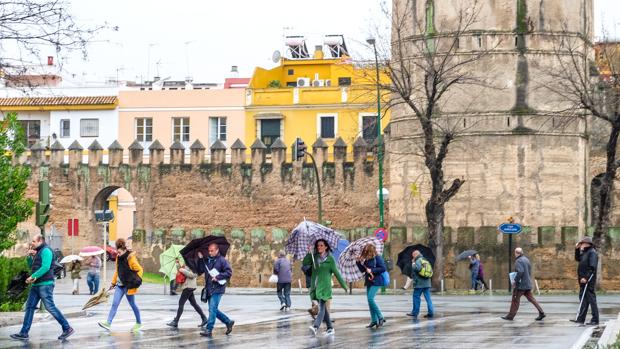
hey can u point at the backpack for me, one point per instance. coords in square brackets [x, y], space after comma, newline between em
[426, 271]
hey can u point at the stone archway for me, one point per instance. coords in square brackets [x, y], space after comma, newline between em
[123, 204]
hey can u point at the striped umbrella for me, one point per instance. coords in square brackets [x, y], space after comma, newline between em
[347, 262]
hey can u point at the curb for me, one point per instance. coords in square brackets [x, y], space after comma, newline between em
[610, 334]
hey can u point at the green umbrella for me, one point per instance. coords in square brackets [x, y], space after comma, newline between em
[167, 261]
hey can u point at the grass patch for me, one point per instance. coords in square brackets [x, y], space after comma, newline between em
[153, 278]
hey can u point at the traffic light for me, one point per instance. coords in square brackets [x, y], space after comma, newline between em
[299, 149]
[44, 205]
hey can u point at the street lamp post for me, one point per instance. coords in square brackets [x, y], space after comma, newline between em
[371, 41]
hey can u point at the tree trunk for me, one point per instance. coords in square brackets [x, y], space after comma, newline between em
[606, 190]
[435, 215]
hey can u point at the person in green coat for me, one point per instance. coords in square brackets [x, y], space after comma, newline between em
[323, 267]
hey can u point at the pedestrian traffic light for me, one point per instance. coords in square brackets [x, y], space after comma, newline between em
[44, 205]
[299, 149]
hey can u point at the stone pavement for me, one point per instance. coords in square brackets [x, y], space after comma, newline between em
[462, 321]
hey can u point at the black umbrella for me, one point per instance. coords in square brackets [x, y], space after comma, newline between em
[190, 251]
[17, 285]
[404, 257]
[465, 254]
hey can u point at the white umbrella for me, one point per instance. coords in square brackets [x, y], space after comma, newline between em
[70, 258]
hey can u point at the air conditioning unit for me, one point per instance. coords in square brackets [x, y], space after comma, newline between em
[303, 82]
[328, 82]
[318, 83]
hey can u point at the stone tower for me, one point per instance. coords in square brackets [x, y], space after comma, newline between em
[515, 152]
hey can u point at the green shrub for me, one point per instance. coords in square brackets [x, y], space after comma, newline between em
[9, 268]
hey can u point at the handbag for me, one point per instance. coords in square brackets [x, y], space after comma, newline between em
[273, 279]
[180, 278]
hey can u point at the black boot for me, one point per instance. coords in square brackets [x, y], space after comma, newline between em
[204, 322]
[174, 323]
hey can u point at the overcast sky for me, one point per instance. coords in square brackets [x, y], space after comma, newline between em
[203, 39]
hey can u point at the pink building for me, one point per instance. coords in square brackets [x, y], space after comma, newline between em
[181, 115]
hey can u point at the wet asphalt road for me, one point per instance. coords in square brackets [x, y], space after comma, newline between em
[463, 322]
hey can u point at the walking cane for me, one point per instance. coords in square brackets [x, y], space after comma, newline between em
[585, 288]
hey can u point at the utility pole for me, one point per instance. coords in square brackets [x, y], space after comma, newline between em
[371, 41]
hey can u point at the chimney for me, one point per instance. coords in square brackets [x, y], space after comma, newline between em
[318, 52]
[188, 83]
[50, 60]
[234, 71]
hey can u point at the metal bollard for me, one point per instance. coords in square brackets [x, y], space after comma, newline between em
[442, 287]
[299, 282]
[491, 287]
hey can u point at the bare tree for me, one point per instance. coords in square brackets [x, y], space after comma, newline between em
[428, 68]
[27, 26]
[591, 94]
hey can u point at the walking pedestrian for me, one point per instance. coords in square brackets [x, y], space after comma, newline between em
[422, 286]
[75, 269]
[127, 279]
[187, 293]
[372, 265]
[323, 268]
[40, 257]
[481, 274]
[522, 286]
[474, 268]
[217, 271]
[587, 256]
[282, 267]
[92, 278]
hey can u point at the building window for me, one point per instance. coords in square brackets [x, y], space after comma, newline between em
[291, 72]
[369, 128]
[32, 131]
[327, 126]
[144, 129]
[65, 128]
[217, 129]
[89, 127]
[344, 81]
[180, 129]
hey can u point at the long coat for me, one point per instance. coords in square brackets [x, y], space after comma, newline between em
[322, 272]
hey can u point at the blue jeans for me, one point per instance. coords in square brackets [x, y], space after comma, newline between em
[474, 281]
[93, 282]
[118, 296]
[417, 293]
[375, 312]
[284, 293]
[46, 295]
[214, 312]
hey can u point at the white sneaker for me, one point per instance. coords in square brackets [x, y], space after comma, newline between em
[313, 330]
[330, 331]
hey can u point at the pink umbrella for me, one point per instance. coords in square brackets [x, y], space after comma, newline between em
[91, 251]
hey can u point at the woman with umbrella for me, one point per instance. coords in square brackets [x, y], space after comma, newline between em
[75, 268]
[188, 286]
[372, 265]
[127, 278]
[323, 268]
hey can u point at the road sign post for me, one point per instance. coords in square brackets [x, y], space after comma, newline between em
[510, 229]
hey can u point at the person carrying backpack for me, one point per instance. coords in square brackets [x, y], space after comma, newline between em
[373, 267]
[422, 273]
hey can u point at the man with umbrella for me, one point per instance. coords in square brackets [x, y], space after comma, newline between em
[217, 271]
[586, 255]
[42, 279]
[422, 286]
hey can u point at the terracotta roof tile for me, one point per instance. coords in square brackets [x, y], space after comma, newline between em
[52, 101]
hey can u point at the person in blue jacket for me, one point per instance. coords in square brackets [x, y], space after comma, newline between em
[372, 265]
[215, 289]
[42, 278]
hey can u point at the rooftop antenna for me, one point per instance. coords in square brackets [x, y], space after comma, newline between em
[148, 65]
[276, 56]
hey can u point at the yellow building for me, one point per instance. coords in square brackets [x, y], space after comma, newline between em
[312, 97]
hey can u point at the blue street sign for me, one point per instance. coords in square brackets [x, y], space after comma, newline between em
[510, 228]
